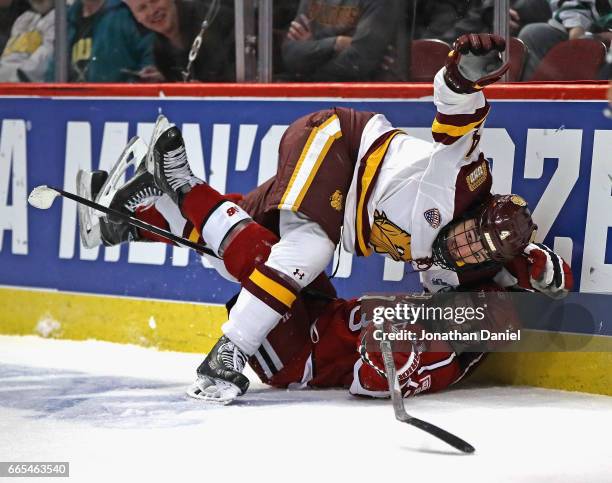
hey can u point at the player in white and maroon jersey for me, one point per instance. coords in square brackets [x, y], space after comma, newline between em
[390, 193]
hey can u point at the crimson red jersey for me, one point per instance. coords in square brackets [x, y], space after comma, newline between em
[299, 353]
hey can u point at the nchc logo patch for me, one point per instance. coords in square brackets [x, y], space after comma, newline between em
[433, 217]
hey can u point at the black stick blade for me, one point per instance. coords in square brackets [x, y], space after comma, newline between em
[441, 434]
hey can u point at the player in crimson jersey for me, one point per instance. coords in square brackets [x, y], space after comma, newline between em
[323, 343]
[390, 193]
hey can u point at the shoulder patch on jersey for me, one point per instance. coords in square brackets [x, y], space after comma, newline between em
[433, 217]
[387, 237]
[477, 176]
[336, 200]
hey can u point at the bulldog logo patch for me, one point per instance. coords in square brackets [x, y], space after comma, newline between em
[336, 200]
[387, 237]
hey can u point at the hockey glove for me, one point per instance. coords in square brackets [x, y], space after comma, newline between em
[475, 62]
[548, 272]
[405, 355]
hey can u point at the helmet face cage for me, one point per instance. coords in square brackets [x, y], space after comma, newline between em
[460, 246]
[488, 236]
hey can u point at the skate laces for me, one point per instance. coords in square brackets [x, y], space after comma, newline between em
[144, 198]
[232, 357]
[176, 168]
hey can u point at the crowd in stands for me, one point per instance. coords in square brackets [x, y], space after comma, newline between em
[448, 19]
[27, 44]
[314, 40]
[571, 19]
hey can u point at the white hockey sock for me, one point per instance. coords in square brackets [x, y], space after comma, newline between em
[220, 222]
[249, 323]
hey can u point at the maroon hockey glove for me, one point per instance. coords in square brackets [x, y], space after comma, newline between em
[475, 62]
[548, 272]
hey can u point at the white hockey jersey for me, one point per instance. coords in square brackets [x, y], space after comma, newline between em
[398, 207]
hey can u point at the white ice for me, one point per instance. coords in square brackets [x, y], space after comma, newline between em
[118, 413]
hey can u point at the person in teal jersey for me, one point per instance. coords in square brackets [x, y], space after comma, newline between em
[105, 43]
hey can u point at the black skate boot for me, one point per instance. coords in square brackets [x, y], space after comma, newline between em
[104, 188]
[138, 192]
[167, 161]
[220, 379]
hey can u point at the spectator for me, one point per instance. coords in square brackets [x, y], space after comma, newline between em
[342, 40]
[282, 16]
[105, 43]
[448, 19]
[522, 12]
[9, 11]
[176, 24]
[30, 48]
[571, 19]
[284, 13]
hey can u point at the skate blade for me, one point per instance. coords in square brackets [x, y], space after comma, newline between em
[161, 125]
[133, 154]
[89, 219]
[213, 391]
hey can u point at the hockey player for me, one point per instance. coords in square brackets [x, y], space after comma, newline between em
[329, 343]
[391, 194]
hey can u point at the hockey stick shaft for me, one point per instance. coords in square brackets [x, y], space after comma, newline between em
[143, 225]
[400, 410]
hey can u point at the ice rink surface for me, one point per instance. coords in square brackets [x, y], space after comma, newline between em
[119, 414]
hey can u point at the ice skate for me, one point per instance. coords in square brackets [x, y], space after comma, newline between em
[167, 161]
[108, 189]
[88, 186]
[220, 379]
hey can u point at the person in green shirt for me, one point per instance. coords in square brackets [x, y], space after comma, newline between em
[105, 43]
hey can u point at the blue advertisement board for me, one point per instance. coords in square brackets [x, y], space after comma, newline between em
[556, 154]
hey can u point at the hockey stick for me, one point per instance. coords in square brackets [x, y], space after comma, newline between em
[42, 197]
[400, 410]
